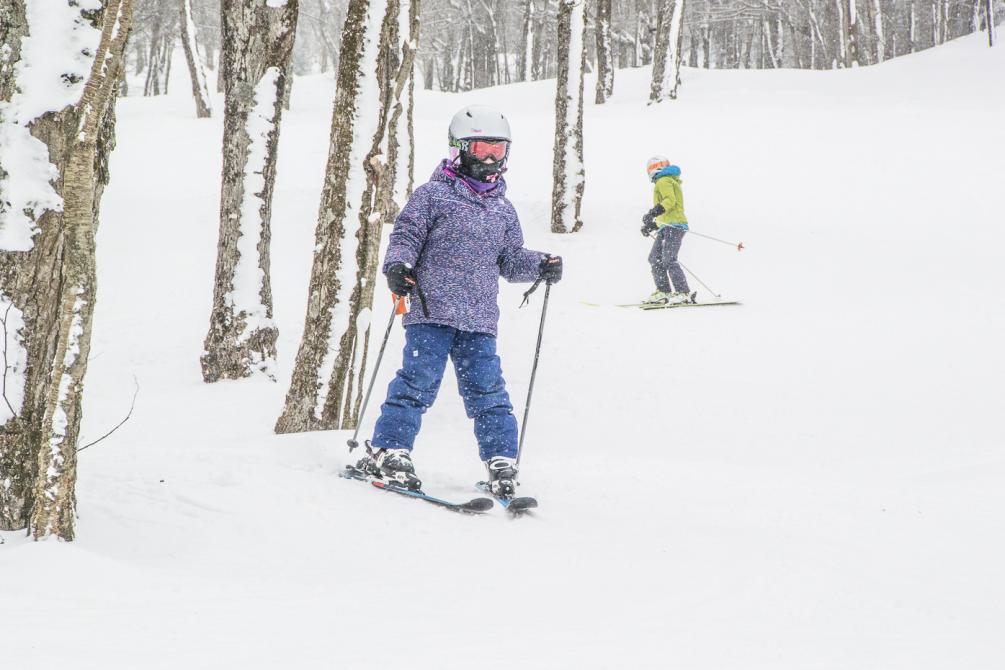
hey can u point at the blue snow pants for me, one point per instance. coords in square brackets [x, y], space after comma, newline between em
[479, 379]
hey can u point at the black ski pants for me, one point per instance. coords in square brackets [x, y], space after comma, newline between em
[663, 260]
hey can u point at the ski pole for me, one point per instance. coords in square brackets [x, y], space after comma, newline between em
[366, 399]
[739, 245]
[698, 279]
[533, 373]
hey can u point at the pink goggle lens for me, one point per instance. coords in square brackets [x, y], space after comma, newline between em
[484, 149]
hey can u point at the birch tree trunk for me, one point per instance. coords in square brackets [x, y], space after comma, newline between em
[569, 173]
[912, 23]
[527, 42]
[877, 18]
[401, 129]
[196, 72]
[257, 44]
[851, 39]
[989, 17]
[326, 389]
[57, 137]
[605, 57]
[666, 60]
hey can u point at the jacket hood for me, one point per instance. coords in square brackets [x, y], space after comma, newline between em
[444, 172]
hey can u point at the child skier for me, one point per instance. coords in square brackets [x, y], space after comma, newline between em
[668, 220]
[452, 241]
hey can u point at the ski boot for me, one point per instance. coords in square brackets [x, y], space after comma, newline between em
[657, 298]
[395, 466]
[502, 476]
[681, 297]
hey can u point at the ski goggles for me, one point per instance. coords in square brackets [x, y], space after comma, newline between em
[483, 150]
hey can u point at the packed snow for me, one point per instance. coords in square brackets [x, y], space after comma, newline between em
[812, 479]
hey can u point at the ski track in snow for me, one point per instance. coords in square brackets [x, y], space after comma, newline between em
[813, 479]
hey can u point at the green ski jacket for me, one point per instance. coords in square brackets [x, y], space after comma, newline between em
[667, 192]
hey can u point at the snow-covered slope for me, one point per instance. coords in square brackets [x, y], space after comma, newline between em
[813, 479]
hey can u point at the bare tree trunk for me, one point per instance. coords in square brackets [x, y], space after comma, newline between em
[325, 391]
[526, 42]
[666, 61]
[538, 65]
[569, 173]
[605, 59]
[989, 18]
[152, 85]
[501, 6]
[200, 92]
[877, 18]
[166, 60]
[47, 258]
[257, 44]
[912, 26]
[401, 130]
[852, 35]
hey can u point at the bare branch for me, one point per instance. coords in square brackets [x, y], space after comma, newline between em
[3, 386]
[119, 425]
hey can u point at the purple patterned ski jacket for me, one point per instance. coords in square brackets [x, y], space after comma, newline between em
[459, 243]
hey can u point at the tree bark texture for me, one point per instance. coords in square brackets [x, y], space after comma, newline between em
[200, 91]
[569, 173]
[326, 389]
[989, 18]
[526, 42]
[400, 128]
[605, 56]
[666, 60]
[49, 285]
[257, 45]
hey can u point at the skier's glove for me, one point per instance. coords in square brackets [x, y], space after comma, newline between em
[551, 269]
[401, 278]
[649, 220]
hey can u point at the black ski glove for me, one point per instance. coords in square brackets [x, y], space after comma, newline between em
[401, 278]
[551, 268]
[649, 220]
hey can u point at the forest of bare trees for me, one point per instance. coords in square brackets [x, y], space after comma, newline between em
[471, 44]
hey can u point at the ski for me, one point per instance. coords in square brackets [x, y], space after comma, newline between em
[684, 304]
[515, 506]
[473, 506]
[642, 305]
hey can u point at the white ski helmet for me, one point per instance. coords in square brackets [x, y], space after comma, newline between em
[478, 122]
[655, 164]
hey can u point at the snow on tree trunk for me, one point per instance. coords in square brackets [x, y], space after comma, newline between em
[410, 120]
[200, 92]
[569, 172]
[877, 17]
[400, 129]
[58, 76]
[666, 61]
[326, 389]
[257, 45]
[605, 56]
[527, 52]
